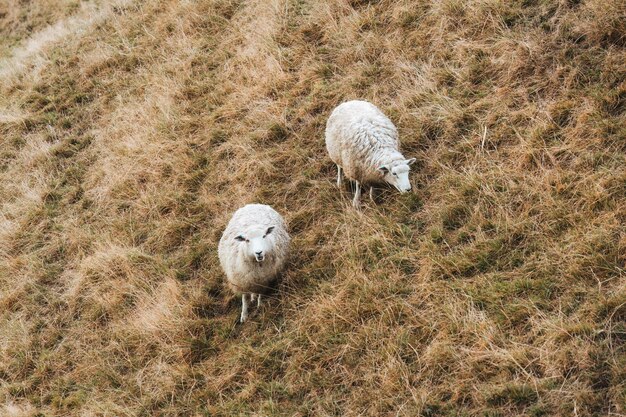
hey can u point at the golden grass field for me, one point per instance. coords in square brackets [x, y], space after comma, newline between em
[131, 130]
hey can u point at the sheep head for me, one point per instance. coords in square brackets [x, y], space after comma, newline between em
[256, 242]
[396, 173]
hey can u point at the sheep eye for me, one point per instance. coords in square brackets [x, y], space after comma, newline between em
[395, 175]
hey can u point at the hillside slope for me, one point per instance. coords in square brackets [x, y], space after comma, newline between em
[130, 131]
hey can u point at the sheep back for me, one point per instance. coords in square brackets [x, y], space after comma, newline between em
[360, 138]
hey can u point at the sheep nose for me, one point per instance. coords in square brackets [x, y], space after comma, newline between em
[258, 253]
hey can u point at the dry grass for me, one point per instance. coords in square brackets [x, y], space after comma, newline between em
[130, 131]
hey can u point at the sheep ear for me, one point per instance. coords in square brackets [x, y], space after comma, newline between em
[240, 238]
[269, 230]
[410, 161]
[384, 169]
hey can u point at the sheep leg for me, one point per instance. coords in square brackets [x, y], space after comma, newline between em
[357, 195]
[244, 307]
[256, 297]
[338, 176]
[372, 194]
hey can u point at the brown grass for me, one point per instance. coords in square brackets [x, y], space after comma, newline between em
[130, 131]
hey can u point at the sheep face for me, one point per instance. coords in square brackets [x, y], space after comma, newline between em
[256, 243]
[397, 174]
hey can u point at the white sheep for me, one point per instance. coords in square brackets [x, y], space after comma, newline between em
[253, 251]
[363, 142]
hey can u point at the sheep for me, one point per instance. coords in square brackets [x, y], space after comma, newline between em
[364, 143]
[253, 250]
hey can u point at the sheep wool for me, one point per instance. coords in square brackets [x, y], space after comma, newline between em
[364, 143]
[252, 251]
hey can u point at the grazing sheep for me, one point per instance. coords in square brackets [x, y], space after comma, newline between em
[363, 142]
[252, 251]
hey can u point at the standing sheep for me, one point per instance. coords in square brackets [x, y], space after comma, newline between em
[252, 251]
[363, 142]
